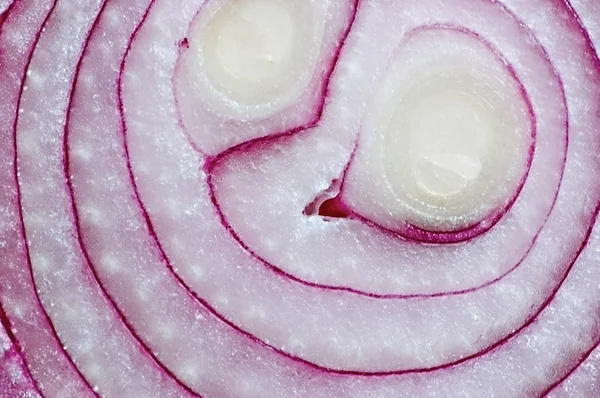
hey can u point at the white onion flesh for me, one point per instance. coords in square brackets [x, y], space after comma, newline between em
[167, 171]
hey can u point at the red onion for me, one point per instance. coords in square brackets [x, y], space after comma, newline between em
[263, 198]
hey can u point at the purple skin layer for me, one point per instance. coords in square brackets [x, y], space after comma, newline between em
[261, 143]
[6, 317]
[14, 355]
[67, 172]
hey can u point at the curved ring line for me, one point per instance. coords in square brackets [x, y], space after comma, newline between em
[580, 362]
[21, 216]
[17, 349]
[15, 141]
[75, 211]
[596, 345]
[4, 14]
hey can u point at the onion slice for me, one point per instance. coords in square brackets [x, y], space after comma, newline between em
[166, 232]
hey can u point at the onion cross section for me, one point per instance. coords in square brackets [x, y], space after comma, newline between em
[299, 198]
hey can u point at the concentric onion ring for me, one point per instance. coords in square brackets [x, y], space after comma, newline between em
[130, 215]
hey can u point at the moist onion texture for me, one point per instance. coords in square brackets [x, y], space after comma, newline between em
[299, 198]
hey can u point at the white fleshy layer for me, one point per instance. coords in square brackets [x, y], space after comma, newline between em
[432, 150]
[42, 352]
[101, 346]
[4, 4]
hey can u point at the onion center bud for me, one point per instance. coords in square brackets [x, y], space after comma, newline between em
[256, 52]
[453, 137]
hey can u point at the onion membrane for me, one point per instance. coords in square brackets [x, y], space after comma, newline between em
[261, 198]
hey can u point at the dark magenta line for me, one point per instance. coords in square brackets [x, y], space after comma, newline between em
[5, 323]
[445, 238]
[67, 173]
[4, 15]
[583, 30]
[317, 367]
[23, 231]
[596, 60]
[4, 318]
[578, 364]
[17, 349]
